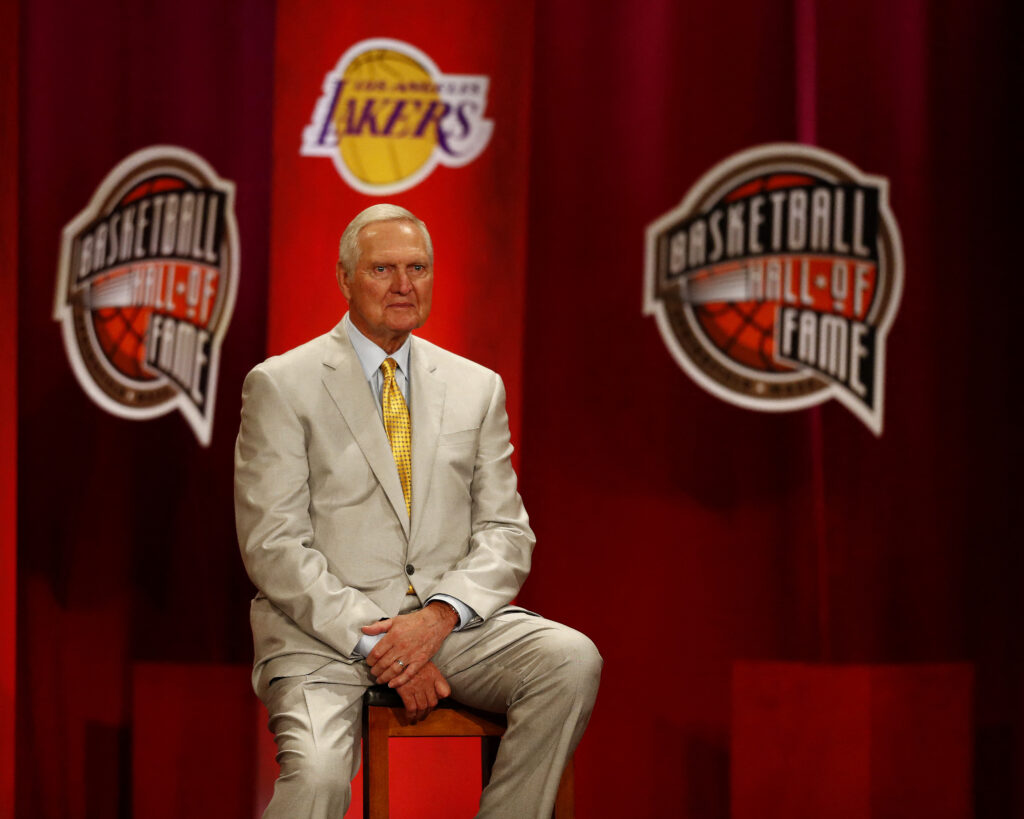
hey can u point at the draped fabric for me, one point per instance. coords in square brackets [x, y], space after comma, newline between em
[8, 399]
[126, 543]
[476, 212]
[723, 534]
[683, 534]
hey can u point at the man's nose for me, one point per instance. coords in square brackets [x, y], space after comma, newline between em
[400, 282]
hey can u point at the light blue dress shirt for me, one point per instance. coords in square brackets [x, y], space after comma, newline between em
[370, 358]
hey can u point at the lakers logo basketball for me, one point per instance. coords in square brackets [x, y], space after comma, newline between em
[776, 280]
[146, 287]
[387, 117]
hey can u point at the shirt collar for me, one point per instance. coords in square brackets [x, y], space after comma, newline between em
[371, 356]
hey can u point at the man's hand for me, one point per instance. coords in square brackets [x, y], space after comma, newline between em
[421, 694]
[410, 638]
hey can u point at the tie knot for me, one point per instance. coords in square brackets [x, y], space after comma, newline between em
[389, 366]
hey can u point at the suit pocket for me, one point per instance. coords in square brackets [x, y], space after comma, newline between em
[295, 665]
[463, 436]
[456, 454]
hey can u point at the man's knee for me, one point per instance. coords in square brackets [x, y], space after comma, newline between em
[575, 661]
[588, 663]
[316, 728]
[320, 775]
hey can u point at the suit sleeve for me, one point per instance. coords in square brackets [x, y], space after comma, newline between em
[501, 540]
[275, 532]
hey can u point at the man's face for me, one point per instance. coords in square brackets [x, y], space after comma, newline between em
[389, 291]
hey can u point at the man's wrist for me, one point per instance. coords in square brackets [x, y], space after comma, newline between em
[466, 614]
[447, 611]
[366, 644]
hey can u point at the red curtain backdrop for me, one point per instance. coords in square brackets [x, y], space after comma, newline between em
[126, 542]
[476, 213]
[683, 534]
[8, 397]
[477, 218]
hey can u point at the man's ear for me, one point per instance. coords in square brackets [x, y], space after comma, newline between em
[342, 280]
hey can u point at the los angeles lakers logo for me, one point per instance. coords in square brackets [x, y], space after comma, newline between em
[146, 286]
[775, 282]
[387, 117]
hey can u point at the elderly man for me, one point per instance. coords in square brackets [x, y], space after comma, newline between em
[378, 517]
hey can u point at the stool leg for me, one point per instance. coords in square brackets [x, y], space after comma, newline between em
[375, 763]
[488, 753]
[565, 802]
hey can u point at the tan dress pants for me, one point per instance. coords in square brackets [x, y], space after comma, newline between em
[542, 674]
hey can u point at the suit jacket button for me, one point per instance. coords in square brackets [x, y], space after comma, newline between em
[409, 568]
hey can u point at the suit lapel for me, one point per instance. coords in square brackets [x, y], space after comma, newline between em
[427, 395]
[344, 380]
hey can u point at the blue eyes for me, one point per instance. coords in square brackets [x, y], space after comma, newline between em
[413, 271]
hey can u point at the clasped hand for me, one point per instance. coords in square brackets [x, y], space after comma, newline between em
[412, 639]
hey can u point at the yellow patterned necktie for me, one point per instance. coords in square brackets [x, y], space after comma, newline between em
[399, 429]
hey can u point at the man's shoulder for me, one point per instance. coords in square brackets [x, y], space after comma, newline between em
[448, 364]
[299, 361]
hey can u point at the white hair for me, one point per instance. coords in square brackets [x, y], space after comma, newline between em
[348, 247]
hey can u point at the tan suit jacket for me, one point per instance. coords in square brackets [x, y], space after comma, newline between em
[321, 518]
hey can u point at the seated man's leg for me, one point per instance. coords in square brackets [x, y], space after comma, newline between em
[545, 676]
[317, 725]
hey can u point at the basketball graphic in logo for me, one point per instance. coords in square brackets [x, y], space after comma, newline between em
[776, 280]
[146, 287]
[405, 150]
[387, 117]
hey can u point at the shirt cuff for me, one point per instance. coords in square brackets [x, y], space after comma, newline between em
[366, 644]
[466, 614]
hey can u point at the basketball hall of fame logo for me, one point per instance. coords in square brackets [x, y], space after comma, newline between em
[387, 117]
[775, 281]
[146, 286]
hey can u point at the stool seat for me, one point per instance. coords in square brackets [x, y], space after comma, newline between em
[384, 717]
[384, 697]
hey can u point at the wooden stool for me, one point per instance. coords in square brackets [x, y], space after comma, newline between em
[384, 717]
